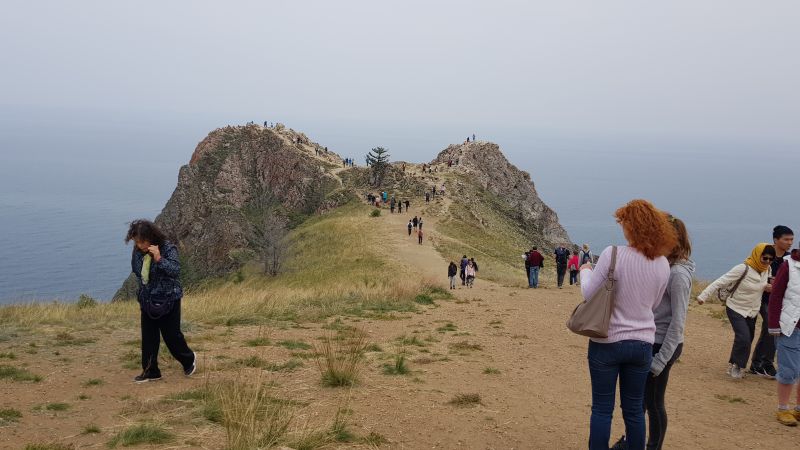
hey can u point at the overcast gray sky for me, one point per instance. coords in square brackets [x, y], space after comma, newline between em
[708, 68]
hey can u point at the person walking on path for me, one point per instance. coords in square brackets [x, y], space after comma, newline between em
[586, 256]
[408, 204]
[784, 321]
[763, 363]
[419, 235]
[452, 271]
[670, 317]
[427, 197]
[400, 207]
[562, 257]
[470, 272]
[410, 226]
[463, 266]
[419, 223]
[415, 221]
[746, 283]
[525, 257]
[536, 262]
[642, 272]
[572, 266]
[155, 263]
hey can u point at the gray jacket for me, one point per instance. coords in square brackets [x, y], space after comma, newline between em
[670, 314]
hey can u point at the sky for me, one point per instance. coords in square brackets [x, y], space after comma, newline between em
[714, 69]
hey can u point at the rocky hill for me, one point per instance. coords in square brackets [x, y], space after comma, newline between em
[484, 164]
[235, 170]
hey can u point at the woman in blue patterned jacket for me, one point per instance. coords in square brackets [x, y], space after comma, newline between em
[157, 268]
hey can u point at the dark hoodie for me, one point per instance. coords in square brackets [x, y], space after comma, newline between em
[452, 270]
[778, 291]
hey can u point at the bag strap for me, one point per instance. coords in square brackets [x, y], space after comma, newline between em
[613, 265]
[738, 282]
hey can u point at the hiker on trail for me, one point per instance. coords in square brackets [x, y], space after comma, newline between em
[400, 207]
[470, 274]
[535, 263]
[463, 265]
[473, 137]
[746, 283]
[419, 235]
[409, 227]
[452, 271]
[562, 257]
[763, 363]
[408, 203]
[784, 321]
[450, 162]
[669, 317]
[433, 191]
[572, 266]
[442, 190]
[625, 356]
[427, 197]
[392, 204]
[385, 196]
[467, 139]
[419, 222]
[415, 221]
[157, 268]
[474, 264]
[586, 256]
[525, 257]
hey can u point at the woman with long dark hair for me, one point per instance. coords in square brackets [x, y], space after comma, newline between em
[670, 318]
[157, 269]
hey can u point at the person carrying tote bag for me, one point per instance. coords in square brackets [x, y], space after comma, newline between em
[634, 286]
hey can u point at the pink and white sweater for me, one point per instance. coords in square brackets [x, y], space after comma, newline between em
[641, 283]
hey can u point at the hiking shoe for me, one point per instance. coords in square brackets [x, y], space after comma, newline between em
[736, 372]
[191, 370]
[769, 369]
[761, 372]
[146, 377]
[786, 417]
[622, 444]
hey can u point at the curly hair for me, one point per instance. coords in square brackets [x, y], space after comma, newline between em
[647, 228]
[145, 230]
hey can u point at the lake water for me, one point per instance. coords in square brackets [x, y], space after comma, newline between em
[69, 186]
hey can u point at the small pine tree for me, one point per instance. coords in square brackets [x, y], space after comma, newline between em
[378, 163]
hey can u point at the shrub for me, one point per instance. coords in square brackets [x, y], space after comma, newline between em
[375, 213]
[142, 434]
[339, 361]
[84, 301]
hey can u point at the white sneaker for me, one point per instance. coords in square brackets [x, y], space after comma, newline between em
[736, 372]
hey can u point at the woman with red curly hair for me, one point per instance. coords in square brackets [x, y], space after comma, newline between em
[641, 273]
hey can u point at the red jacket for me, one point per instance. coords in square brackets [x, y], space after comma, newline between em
[778, 291]
[536, 259]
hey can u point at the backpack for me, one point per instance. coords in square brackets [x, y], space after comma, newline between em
[587, 258]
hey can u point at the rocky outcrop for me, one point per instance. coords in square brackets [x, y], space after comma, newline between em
[210, 214]
[484, 164]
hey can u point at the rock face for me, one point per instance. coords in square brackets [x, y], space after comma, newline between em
[485, 164]
[233, 167]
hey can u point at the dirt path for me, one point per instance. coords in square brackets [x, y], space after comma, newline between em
[507, 345]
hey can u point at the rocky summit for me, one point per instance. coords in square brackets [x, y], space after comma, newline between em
[212, 211]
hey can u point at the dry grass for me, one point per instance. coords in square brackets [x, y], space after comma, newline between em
[340, 359]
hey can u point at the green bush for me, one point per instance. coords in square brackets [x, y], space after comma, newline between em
[375, 213]
[84, 301]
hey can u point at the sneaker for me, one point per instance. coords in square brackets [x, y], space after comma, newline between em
[761, 372]
[736, 372]
[146, 377]
[786, 417]
[191, 370]
[621, 444]
[769, 369]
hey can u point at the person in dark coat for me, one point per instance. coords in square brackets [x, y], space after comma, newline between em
[463, 265]
[155, 263]
[452, 271]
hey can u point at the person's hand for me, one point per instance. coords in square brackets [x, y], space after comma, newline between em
[153, 250]
[768, 288]
[587, 266]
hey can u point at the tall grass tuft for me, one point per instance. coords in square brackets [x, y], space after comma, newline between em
[340, 360]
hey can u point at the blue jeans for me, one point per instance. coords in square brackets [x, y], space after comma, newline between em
[533, 277]
[630, 362]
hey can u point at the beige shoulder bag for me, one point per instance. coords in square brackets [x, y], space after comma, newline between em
[591, 317]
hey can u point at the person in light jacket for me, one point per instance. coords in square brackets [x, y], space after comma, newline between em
[670, 317]
[744, 303]
[784, 320]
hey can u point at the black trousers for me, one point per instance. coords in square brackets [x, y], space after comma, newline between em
[764, 353]
[744, 329]
[169, 327]
[561, 270]
[654, 392]
[573, 277]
